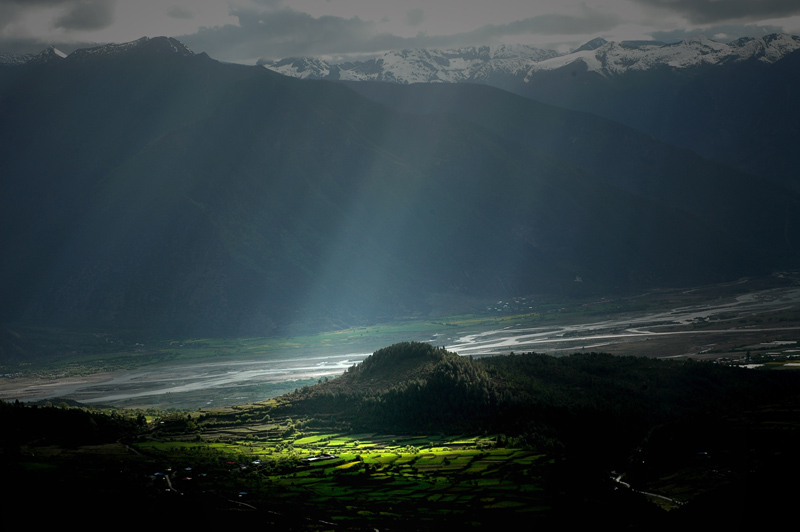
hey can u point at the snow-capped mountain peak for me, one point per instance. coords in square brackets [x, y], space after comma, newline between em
[302, 67]
[416, 66]
[48, 55]
[155, 45]
[14, 59]
[160, 45]
[613, 59]
[594, 44]
[480, 64]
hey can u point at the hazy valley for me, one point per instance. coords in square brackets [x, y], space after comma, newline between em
[721, 323]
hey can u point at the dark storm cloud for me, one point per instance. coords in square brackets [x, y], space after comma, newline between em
[721, 33]
[414, 17]
[34, 45]
[710, 11]
[35, 3]
[280, 33]
[269, 3]
[272, 34]
[78, 15]
[87, 15]
[590, 21]
[180, 12]
[11, 10]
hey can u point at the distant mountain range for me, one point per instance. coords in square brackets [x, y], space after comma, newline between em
[496, 64]
[420, 66]
[145, 186]
[736, 103]
[14, 59]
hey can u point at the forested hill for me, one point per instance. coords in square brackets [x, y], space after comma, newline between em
[415, 387]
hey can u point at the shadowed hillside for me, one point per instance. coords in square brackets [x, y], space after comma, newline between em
[414, 387]
[151, 188]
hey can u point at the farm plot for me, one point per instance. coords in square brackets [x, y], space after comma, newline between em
[347, 478]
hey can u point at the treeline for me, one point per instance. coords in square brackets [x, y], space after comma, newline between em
[61, 425]
[406, 387]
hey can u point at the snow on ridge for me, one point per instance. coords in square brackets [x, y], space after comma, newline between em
[162, 44]
[300, 67]
[480, 63]
[48, 55]
[771, 48]
[588, 57]
[613, 58]
[107, 49]
[157, 44]
[14, 59]
[419, 65]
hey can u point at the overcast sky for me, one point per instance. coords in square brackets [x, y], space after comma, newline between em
[247, 30]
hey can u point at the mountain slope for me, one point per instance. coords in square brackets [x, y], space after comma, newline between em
[473, 64]
[614, 59]
[743, 113]
[496, 65]
[714, 194]
[735, 103]
[145, 186]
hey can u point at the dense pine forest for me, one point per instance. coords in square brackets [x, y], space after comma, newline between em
[416, 387]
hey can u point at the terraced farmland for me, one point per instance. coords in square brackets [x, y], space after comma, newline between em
[360, 477]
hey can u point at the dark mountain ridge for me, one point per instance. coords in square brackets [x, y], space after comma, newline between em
[148, 187]
[735, 102]
[621, 157]
[743, 114]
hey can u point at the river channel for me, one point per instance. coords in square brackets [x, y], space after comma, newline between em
[206, 384]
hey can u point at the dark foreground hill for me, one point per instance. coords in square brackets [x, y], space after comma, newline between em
[416, 437]
[722, 433]
[147, 187]
[415, 387]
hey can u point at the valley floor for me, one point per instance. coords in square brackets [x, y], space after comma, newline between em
[755, 321]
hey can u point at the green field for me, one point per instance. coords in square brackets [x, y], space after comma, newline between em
[374, 477]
